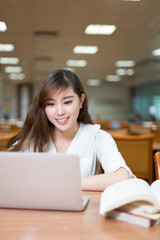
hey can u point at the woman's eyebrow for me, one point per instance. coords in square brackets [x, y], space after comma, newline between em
[49, 99]
[68, 97]
[52, 99]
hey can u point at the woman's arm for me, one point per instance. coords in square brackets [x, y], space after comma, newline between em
[101, 181]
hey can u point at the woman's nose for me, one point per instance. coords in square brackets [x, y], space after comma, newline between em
[60, 109]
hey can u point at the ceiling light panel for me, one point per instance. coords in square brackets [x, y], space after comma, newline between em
[5, 60]
[93, 82]
[123, 72]
[76, 63]
[16, 76]
[3, 27]
[125, 63]
[156, 52]
[98, 29]
[85, 49]
[130, 72]
[113, 78]
[13, 69]
[6, 47]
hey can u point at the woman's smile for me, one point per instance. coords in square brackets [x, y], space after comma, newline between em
[62, 121]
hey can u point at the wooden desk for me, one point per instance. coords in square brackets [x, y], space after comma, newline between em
[86, 225]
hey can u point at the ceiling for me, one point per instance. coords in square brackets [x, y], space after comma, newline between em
[44, 33]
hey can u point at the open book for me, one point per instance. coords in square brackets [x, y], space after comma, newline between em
[129, 191]
[132, 213]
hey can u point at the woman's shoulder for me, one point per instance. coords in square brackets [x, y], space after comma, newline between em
[93, 127]
[89, 131]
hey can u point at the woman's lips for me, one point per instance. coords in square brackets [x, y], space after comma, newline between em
[62, 121]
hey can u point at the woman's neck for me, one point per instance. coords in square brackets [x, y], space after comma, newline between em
[69, 134]
[63, 139]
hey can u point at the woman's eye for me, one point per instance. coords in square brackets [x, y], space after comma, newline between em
[50, 104]
[68, 102]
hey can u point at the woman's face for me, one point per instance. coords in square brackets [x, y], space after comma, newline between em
[62, 109]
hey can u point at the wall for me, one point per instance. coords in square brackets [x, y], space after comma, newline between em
[10, 100]
[109, 101]
[16, 100]
[146, 99]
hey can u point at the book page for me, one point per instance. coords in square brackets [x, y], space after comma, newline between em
[140, 207]
[155, 187]
[125, 192]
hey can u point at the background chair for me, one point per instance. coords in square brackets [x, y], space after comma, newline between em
[157, 164]
[7, 131]
[5, 136]
[137, 152]
[135, 129]
[112, 124]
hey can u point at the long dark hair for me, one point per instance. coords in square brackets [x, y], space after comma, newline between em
[37, 129]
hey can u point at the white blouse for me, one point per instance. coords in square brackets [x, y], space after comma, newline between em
[94, 145]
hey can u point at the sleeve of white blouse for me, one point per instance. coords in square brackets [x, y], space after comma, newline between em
[108, 154]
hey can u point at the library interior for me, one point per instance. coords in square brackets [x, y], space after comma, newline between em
[113, 46]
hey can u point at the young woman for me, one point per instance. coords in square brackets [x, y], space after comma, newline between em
[58, 122]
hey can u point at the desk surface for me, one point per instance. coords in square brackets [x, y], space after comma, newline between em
[86, 225]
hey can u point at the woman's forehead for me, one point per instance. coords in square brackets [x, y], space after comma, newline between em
[61, 91]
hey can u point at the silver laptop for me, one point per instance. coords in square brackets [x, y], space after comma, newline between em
[41, 181]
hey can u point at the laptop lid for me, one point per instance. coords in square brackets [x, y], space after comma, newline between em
[40, 181]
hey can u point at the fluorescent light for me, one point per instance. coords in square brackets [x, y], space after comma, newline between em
[76, 63]
[113, 78]
[6, 47]
[13, 69]
[123, 72]
[85, 49]
[3, 27]
[93, 82]
[156, 52]
[5, 60]
[125, 63]
[130, 72]
[100, 29]
[16, 76]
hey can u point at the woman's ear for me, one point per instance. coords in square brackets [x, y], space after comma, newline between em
[82, 99]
